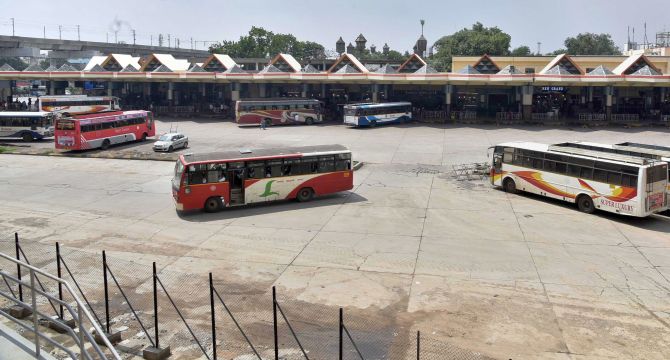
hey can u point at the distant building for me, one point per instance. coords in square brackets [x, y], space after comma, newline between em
[360, 43]
[340, 46]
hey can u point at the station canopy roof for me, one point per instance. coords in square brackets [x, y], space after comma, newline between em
[162, 69]
[386, 69]
[95, 60]
[509, 70]
[634, 63]
[51, 68]
[67, 67]
[117, 62]
[565, 62]
[412, 64]
[235, 70]
[468, 70]
[155, 61]
[347, 69]
[97, 68]
[426, 69]
[129, 68]
[33, 67]
[310, 69]
[196, 68]
[270, 69]
[6, 67]
[218, 63]
[558, 70]
[486, 66]
[646, 71]
[348, 59]
[600, 71]
[286, 63]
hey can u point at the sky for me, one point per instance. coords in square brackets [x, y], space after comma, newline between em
[395, 22]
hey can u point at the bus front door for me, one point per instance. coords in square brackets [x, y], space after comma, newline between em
[236, 177]
[496, 167]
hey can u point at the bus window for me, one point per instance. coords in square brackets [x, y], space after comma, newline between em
[326, 163]
[255, 169]
[273, 168]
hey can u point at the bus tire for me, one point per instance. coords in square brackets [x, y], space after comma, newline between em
[213, 204]
[268, 122]
[27, 137]
[373, 123]
[509, 186]
[585, 204]
[309, 121]
[305, 194]
[105, 144]
[144, 137]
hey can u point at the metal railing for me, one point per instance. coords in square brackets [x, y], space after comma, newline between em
[82, 338]
[508, 116]
[464, 115]
[592, 117]
[625, 118]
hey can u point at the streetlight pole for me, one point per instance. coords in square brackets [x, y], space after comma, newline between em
[78, 34]
[13, 33]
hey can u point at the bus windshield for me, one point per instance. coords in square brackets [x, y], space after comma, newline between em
[178, 171]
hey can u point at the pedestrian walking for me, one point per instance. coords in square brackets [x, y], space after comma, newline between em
[263, 124]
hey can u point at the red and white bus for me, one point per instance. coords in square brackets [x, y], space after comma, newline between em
[618, 183]
[78, 104]
[84, 132]
[213, 181]
[278, 111]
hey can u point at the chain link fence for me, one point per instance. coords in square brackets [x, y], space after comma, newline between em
[200, 316]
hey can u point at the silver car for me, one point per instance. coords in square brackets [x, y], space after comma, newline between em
[171, 141]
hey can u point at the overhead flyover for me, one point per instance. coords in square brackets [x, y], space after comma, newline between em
[25, 46]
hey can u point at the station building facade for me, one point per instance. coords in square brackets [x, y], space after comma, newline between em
[539, 88]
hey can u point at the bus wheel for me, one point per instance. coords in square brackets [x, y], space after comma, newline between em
[305, 194]
[144, 137]
[27, 137]
[105, 144]
[373, 123]
[213, 204]
[585, 204]
[309, 121]
[268, 122]
[509, 186]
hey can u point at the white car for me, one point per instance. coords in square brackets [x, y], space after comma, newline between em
[171, 141]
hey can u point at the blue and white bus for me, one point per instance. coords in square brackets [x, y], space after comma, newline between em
[26, 125]
[377, 114]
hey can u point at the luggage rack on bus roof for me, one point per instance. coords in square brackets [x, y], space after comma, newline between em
[601, 155]
[658, 150]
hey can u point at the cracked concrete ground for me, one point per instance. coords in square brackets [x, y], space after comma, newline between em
[509, 276]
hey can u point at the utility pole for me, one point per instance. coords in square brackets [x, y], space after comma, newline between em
[116, 36]
[151, 40]
[107, 35]
[133, 36]
[191, 43]
[177, 43]
[60, 32]
[78, 34]
[13, 34]
[169, 41]
[44, 31]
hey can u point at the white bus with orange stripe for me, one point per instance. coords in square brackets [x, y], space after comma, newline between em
[212, 181]
[623, 184]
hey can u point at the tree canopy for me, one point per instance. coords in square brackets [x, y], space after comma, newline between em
[15, 62]
[591, 44]
[478, 40]
[521, 51]
[261, 43]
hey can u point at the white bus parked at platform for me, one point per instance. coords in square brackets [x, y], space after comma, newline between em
[623, 184]
[377, 114]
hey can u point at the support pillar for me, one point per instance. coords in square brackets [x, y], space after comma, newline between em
[203, 89]
[262, 90]
[609, 97]
[589, 97]
[375, 93]
[52, 88]
[305, 90]
[170, 93]
[448, 91]
[110, 86]
[527, 101]
[323, 91]
[235, 91]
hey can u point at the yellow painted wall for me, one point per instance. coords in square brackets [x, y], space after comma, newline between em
[539, 62]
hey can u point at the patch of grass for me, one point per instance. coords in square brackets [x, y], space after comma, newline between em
[5, 149]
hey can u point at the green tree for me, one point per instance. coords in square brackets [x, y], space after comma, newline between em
[591, 44]
[521, 51]
[558, 52]
[478, 40]
[260, 43]
[15, 62]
